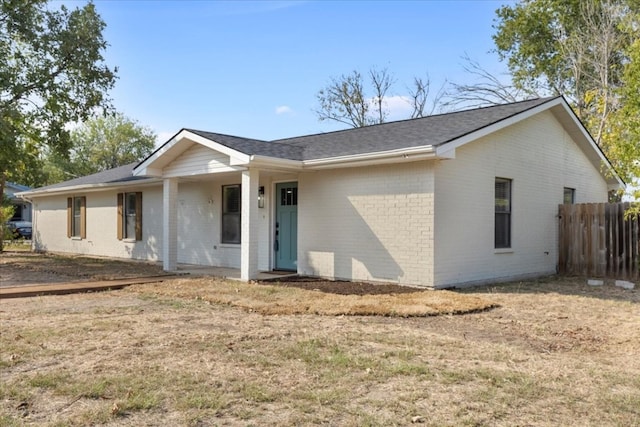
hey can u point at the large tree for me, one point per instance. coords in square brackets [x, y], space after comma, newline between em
[99, 144]
[580, 49]
[52, 73]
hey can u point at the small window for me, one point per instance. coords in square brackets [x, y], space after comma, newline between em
[289, 196]
[130, 216]
[76, 217]
[569, 196]
[502, 213]
[231, 207]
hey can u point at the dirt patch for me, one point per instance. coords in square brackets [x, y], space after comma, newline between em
[556, 352]
[274, 299]
[341, 287]
[22, 268]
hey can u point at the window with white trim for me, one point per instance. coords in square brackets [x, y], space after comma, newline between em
[76, 217]
[130, 216]
[231, 208]
[502, 213]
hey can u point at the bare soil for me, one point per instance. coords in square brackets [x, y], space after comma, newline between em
[552, 352]
[21, 268]
[27, 268]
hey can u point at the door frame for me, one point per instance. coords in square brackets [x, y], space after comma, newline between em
[275, 206]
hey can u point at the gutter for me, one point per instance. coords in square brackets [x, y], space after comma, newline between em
[86, 188]
[381, 157]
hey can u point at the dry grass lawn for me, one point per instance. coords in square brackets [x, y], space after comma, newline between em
[206, 352]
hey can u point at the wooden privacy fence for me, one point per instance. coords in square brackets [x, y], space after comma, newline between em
[596, 240]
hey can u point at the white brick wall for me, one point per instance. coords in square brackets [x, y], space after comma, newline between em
[369, 223]
[541, 159]
[51, 226]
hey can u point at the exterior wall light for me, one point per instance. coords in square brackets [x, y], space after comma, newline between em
[261, 197]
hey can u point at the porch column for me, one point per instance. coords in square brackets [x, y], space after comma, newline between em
[249, 228]
[170, 224]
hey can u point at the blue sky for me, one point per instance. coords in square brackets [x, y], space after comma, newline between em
[253, 68]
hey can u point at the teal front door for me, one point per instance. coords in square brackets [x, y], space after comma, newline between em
[286, 238]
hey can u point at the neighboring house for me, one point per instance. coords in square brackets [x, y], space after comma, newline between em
[22, 208]
[447, 200]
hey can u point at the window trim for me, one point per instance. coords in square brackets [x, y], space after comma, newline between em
[224, 215]
[503, 213]
[122, 214]
[72, 233]
[564, 195]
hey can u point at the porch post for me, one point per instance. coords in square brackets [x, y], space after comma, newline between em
[169, 224]
[249, 227]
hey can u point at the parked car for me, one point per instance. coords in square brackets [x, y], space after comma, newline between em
[20, 229]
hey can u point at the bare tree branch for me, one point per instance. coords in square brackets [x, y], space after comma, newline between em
[382, 81]
[488, 90]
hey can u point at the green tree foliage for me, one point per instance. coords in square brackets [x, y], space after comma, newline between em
[622, 137]
[582, 49]
[6, 213]
[99, 144]
[52, 73]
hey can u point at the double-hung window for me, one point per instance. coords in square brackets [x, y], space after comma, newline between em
[76, 217]
[231, 208]
[502, 213]
[130, 216]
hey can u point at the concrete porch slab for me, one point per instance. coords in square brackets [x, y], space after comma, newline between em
[228, 273]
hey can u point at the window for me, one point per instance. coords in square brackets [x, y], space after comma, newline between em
[569, 196]
[130, 216]
[289, 196]
[503, 213]
[231, 206]
[76, 217]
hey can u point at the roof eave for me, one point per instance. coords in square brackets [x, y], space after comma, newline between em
[152, 165]
[376, 158]
[274, 163]
[86, 188]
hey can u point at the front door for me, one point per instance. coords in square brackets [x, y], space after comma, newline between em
[286, 238]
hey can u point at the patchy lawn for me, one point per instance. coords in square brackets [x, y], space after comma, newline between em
[271, 298]
[553, 352]
[21, 268]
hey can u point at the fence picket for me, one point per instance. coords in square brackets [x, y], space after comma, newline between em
[596, 240]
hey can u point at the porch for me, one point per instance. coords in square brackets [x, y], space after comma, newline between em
[229, 273]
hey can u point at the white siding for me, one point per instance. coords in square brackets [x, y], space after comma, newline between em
[541, 159]
[197, 160]
[50, 228]
[199, 226]
[370, 223]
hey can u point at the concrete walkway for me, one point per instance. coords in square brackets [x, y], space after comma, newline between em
[22, 291]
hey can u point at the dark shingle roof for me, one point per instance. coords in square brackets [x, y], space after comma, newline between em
[253, 146]
[111, 176]
[432, 130]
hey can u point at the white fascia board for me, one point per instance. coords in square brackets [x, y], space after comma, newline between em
[148, 166]
[145, 168]
[236, 157]
[91, 188]
[592, 143]
[452, 145]
[366, 159]
[266, 162]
